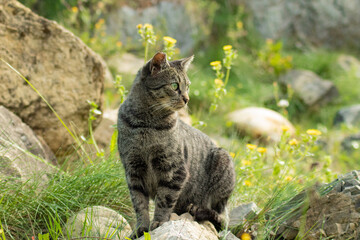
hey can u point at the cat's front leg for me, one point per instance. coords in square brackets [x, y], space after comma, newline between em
[168, 192]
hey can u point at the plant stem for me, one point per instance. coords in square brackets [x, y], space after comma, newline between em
[227, 76]
[146, 50]
[92, 135]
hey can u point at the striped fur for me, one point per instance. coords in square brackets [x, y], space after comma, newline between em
[166, 159]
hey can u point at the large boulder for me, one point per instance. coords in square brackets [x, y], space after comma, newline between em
[349, 116]
[169, 17]
[310, 88]
[97, 222]
[333, 23]
[61, 67]
[260, 123]
[22, 153]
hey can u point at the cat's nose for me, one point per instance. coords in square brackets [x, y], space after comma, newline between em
[186, 99]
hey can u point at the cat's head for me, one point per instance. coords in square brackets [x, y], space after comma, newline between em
[166, 83]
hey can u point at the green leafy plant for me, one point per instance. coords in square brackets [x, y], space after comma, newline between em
[147, 35]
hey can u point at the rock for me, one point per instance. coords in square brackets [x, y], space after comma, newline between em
[22, 154]
[184, 229]
[349, 63]
[349, 116]
[310, 88]
[351, 143]
[329, 23]
[239, 214]
[171, 18]
[333, 214]
[61, 67]
[227, 235]
[125, 63]
[105, 130]
[260, 123]
[97, 221]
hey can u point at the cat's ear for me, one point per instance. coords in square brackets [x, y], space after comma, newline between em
[185, 63]
[158, 63]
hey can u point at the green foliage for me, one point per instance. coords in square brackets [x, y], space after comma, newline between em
[272, 59]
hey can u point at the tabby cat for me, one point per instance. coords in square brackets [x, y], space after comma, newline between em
[165, 159]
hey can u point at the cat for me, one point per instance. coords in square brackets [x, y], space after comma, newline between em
[165, 159]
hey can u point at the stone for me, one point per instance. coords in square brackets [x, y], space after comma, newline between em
[227, 235]
[260, 123]
[99, 222]
[239, 214]
[349, 63]
[329, 23]
[126, 63]
[105, 130]
[60, 66]
[334, 214]
[22, 154]
[310, 88]
[349, 116]
[170, 18]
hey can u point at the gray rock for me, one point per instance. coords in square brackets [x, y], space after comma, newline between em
[125, 63]
[260, 123]
[349, 63]
[351, 143]
[184, 228]
[330, 23]
[239, 214]
[61, 67]
[227, 235]
[348, 115]
[310, 88]
[22, 153]
[171, 18]
[97, 221]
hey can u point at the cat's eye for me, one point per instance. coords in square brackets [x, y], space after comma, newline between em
[175, 86]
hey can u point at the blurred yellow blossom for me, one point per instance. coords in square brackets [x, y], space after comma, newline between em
[245, 162]
[313, 132]
[139, 26]
[232, 154]
[219, 82]
[215, 63]
[293, 142]
[240, 25]
[74, 9]
[148, 26]
[169, 40]
[227, 47]
[261, 150]
[285, 128]
[118, 43]
[269, 41]
[289, 178]
[251, 146]
[245, 236]
[247, 183]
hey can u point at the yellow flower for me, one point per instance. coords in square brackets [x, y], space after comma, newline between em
[1, 231]
[313, 132]
[269, 41]
[218, 82]
[118, 44]
[215, 63]
[261, 150]
[227, 47]
[101, 21]
[245, 162]
[232, 154]
[169, 39]
[139, 26]
[247, 183]
[148, 26]
[240, 25]
[289, 178]
[245, 236]
[293, 142]
[74, 9]
[251, 146]
[285, 128]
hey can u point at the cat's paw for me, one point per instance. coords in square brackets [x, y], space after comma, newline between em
[138, 232]
[155, 224]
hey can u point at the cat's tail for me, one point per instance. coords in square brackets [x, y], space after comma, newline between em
[203, 214]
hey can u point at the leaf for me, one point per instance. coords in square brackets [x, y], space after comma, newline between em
[147, 236]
